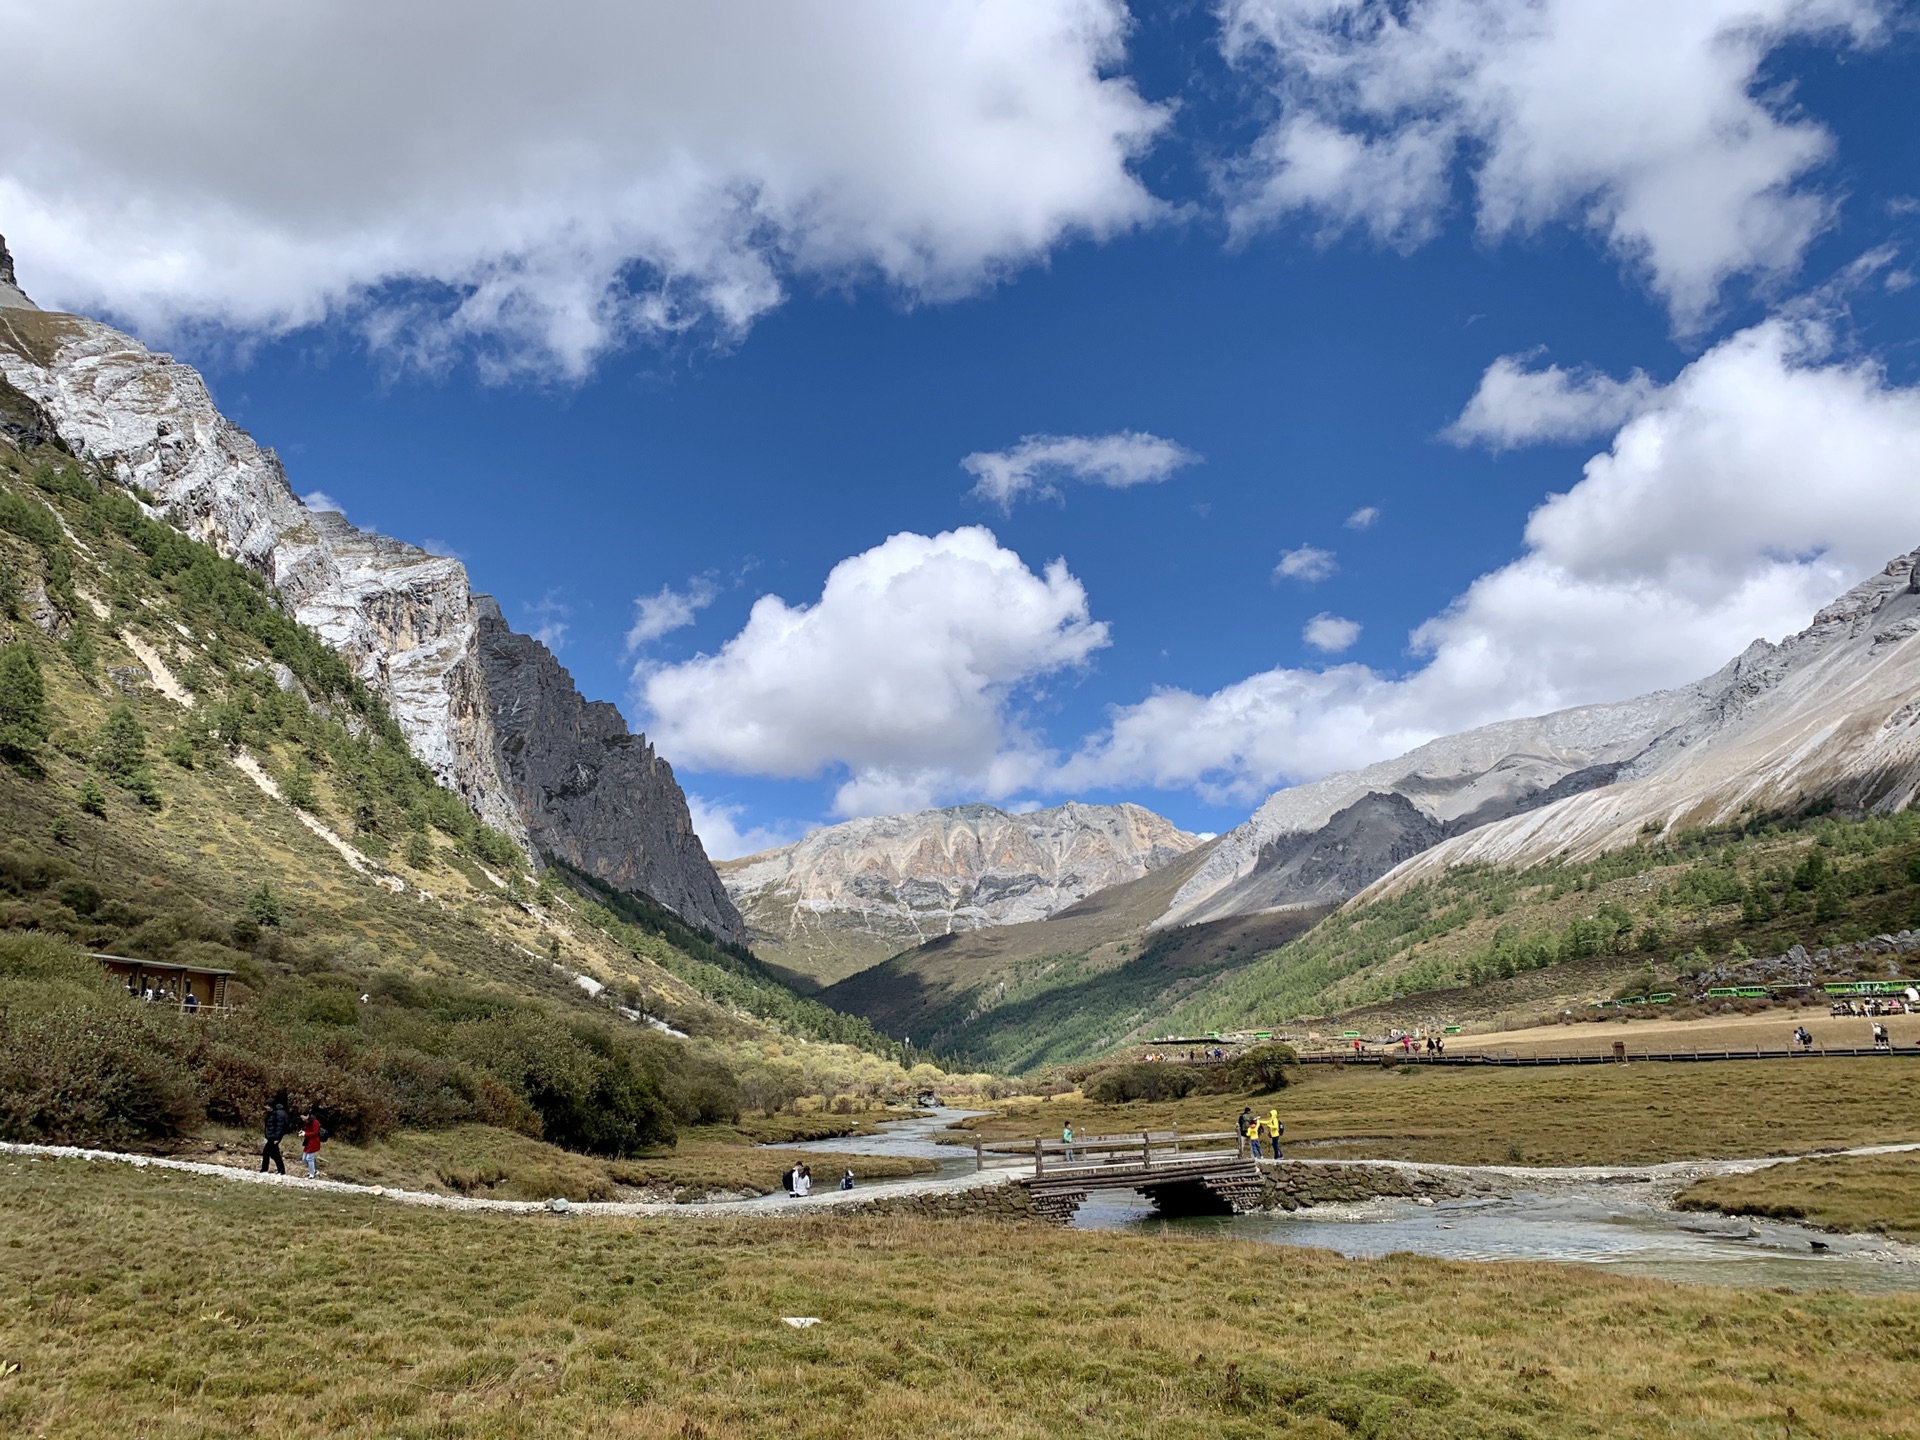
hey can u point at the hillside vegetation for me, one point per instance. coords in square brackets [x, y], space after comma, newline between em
[1646, 917]
[187, 775]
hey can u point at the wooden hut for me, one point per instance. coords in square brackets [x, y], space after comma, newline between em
[191, 989]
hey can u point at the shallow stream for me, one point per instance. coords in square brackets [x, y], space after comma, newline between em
[1611, 1227]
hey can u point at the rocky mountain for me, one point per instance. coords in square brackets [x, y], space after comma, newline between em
[406, 620]
[589, 792]
[1828, 715]
[848, 896]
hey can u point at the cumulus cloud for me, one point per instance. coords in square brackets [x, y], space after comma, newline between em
[535, 184]
[1363, 518]
[668, 610]
[1642, 121]
[1126, 458]
[717, 823]
[1331, 633]
[1515, 405]
[1769, 476]
[323, 502]
[1305, 563]
[904, 674]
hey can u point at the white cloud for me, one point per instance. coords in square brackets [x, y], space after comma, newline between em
[549, 617]
[1305, 563]
[904, 672]
[1331, 633]
[717, 823]
[1363, 518]
[323, 502]
[1126, 458]
[1635, 119]
[1768, 477]
[1517, 406]
[668, 610]
[548, 181]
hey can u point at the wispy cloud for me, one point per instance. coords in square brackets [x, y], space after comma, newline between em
[724, 837]
[320, 500]
[1363, 518]
[549, 617]
[1038, 462]
[1306, 563]
[668, 610]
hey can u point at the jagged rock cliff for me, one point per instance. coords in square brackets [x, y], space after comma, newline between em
[1828, 714]
[406, 620]
[589, 792]
[850, 895]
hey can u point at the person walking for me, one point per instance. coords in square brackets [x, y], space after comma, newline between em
[274, 1128]
[312, 1132]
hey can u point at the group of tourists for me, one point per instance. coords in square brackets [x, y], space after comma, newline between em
[1255, 1130]
[278, 1125]
[798, 1181]
[164, 995]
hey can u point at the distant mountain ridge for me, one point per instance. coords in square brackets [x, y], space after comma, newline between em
[1829, 714]
[406, 621]
[851, 895]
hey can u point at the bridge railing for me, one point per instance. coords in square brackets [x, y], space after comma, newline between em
[1142, 1150]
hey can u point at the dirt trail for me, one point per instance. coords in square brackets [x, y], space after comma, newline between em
[1662, 1182]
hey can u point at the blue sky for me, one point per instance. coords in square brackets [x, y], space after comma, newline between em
[1239, 248]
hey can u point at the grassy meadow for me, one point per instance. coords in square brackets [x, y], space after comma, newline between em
[1578, 1115]
[168, 1306]
[1877, 1194]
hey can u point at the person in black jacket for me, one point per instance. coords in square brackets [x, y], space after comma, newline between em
[274, 1127]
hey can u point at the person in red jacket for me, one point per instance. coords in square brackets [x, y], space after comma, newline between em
[312, 1132]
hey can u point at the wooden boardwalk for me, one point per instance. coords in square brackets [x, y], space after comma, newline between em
[1388, 1056]
[1180, 1174]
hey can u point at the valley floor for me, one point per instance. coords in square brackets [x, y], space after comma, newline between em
[176, 1305]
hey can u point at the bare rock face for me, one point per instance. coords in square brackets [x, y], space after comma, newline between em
[534, 760]
[850, 895]
[12, 297]
[403, 618]
[590, 793]
[1828, 714]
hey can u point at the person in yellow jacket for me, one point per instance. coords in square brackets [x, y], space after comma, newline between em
[1274, 1130]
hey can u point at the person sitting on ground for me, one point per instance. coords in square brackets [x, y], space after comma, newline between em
[846, 1180]
[312, 1132]
[274, 1128]
[790, 1179]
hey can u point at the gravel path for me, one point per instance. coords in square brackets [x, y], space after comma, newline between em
[1662, 1181]
[765, 1207]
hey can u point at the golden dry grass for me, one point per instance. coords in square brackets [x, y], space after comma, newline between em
[1879, 1193]
[176, 1306]
[1579, 1115]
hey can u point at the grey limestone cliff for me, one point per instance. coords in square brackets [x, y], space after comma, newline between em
[405, 620]
[591, 793]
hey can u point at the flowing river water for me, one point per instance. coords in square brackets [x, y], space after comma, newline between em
[1620, 1220]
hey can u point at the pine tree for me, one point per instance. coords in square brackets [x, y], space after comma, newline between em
[23, 704]
[120, 750]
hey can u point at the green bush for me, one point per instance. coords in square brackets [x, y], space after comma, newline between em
[1259, 1070]
[91, 1074]
[1148, 1080]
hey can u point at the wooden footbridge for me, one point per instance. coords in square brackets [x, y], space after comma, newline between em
[1203, 1174]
